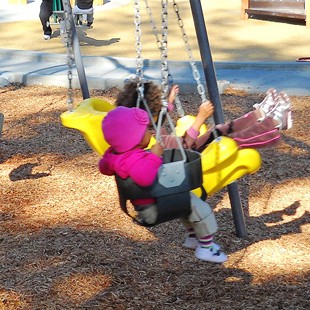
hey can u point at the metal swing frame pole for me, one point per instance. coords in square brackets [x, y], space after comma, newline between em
[79, 63]
[1, 123]
[77, 52]
[209, 72]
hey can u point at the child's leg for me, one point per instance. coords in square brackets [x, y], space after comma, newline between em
[204, 140]
[241, 123]
[191, 241]
[148, 213]
[256, 129]
[261, 135]
[203, 221]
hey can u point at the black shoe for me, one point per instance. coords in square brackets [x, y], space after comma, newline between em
[90, 24]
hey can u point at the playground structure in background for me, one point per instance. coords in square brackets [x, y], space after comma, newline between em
[292, 11]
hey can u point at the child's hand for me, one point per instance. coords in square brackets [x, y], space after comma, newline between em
[205, 110]
[173, 92]
[157, 149]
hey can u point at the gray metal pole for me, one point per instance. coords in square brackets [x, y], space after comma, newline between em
[79, 63]
[208, 67]
[1, 123]
[237, 210]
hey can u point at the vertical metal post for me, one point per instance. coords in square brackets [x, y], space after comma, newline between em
[208, 67]
[79, 63]
[76, 47]
[1, 123]
[237, 210]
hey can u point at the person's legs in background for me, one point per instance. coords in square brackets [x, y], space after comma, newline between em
[90, 14]
[46, 10]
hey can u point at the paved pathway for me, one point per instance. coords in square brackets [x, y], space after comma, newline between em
[46, 67]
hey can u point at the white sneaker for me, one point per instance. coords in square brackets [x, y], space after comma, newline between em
[193, 244]
[47, 37]
[282, 112]
[210, 255]
[269, 101]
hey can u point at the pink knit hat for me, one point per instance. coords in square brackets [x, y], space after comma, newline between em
[123, 128]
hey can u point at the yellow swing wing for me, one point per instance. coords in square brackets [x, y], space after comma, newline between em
[222, 162]
[87, 118]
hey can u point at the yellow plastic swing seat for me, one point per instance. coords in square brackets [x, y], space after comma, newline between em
[222, 162]
[87, 118]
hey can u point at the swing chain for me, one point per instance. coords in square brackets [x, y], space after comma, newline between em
[138, 44]
[165, 75]
[200, 88]
[158, 42]
[196, 74]
[149, 12]
[70, 100]
[69, 45]
[164, 62]
[177, 101]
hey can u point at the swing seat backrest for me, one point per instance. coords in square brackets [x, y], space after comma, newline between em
[171, 188]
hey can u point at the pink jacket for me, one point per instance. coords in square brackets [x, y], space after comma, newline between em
[138, 164]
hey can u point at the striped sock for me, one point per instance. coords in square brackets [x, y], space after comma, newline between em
[206, 242]
[191, 233]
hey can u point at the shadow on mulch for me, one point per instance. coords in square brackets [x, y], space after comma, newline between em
[68, 268]
[65, 244]
[24, 172]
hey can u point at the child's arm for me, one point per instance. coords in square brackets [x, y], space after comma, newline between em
[171, 97]
[157, 149]
[206, 109]
[173, 92]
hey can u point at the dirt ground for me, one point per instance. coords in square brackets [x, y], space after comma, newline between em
[65, 243]
[113, 34]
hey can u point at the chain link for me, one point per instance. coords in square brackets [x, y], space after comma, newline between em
[70, 101]
[68, 39]
[158, 42]
[164, 52]
[177, 101]
[149, 12]
[138, 44]
[200, 88]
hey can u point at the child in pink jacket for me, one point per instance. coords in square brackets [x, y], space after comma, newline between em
[127, 132]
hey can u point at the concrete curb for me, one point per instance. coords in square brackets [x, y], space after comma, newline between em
[39, 68]
[3, 82]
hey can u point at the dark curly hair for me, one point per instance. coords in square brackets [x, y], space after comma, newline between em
[129, 95]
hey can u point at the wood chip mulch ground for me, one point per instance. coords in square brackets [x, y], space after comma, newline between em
[65, 243]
